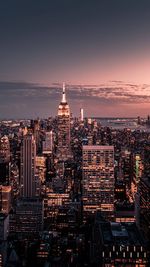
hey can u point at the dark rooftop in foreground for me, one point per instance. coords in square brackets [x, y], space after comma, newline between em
[121, 233]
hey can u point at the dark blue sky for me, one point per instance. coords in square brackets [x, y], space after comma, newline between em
[77, 41]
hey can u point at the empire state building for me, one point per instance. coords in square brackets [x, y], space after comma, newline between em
[63, 149]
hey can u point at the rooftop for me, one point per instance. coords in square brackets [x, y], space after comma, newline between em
[97, 147]
[120, 233]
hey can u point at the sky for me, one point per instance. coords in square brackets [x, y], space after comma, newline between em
[100, 48]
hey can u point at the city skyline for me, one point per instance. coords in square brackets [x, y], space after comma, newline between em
[74, 133]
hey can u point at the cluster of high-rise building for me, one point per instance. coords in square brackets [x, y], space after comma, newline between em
[73, 193]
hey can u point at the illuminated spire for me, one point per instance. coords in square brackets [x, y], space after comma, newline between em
[64, 94]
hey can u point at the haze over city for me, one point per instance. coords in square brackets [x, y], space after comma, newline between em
[101, 49]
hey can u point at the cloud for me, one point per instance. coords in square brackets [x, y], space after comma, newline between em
[31, 99]
[116, 92]
[112, 91]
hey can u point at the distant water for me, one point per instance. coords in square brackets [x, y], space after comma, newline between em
[122, 123]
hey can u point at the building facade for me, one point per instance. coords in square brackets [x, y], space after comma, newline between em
[5, 199]
[143, 196]
[98, 180]
[28, 165]
[63, 148]
[48, 143]
[4, 160]
[27, 218]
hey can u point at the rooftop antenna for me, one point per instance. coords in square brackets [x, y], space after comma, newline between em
[64, 94]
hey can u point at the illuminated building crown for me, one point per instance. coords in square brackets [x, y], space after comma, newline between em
[63, 108]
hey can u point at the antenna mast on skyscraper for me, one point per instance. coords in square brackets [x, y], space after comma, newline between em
[64, 94]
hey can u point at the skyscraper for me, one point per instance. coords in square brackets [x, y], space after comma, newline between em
[63, 149]
[143, 197]
[4, 149]
[48, 143]
[98, 180]
[5, 198]
[28, 157]
[4, 160]
[144, 207]
[81, 115]
[27, 217]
